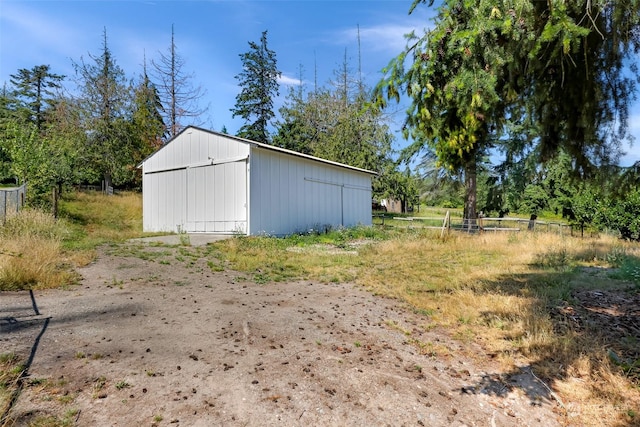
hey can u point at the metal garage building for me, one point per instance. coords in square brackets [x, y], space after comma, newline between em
[204, 181]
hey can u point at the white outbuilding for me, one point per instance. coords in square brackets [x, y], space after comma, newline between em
[209, 182]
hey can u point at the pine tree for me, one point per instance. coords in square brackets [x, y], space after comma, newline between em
[259, 83]
[106, 105]
[35, 89]
[147, 117]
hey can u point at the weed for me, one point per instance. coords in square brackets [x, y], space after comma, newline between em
[215, 266]
[115, 283]
[37, 381]
[185, 240]
[8, 358]
[357, 344]
[66, 398]
[98, 385]
[629, 269]
[122, 385]
[158, 418]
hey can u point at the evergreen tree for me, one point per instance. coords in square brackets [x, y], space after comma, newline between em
[147, 116]
[34, 89]
[106, 107]
[147, 123]
[179, 97]
[551, 67]
[7, 115]
[259, 83]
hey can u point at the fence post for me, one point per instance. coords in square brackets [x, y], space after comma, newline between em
[54, 196]
[447, 221]
[3, 206]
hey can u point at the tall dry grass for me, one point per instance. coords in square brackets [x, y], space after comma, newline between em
[31, 254]
[38, 251]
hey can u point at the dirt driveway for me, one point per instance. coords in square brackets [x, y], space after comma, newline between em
[148, 343]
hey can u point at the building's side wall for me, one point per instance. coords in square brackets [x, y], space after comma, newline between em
[289, 194]
[166, 177]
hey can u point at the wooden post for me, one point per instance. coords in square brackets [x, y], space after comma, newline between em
[444, 224]
[54, 197]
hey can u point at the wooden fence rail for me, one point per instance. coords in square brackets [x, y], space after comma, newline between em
[478, 225]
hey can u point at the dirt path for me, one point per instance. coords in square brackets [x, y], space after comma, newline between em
[142, 343]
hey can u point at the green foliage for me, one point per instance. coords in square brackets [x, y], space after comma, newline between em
[339, 124]
[34, 159]
[535, 199]
[259, 83]
[623, 215]
[106, 103]
[34, 92]
[525, 76]
[398, 185]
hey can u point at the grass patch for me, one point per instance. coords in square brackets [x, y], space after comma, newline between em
[38, 251]
[11, 370]
[31, 252]
[97, 219]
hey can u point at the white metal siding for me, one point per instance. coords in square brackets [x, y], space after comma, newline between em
[217, 198]
[164, 201]
[291, 194]
[207, 182]
[177, 196]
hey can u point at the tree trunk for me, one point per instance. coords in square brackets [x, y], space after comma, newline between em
[470, 197]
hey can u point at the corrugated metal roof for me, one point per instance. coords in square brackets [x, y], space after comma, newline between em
[263, 146]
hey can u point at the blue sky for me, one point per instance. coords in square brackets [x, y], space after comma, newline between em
[210, 35]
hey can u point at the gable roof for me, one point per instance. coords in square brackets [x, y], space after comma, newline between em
[262, 146]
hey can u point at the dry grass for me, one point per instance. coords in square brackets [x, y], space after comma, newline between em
[38, 251]
[31, 254]
[497, 290]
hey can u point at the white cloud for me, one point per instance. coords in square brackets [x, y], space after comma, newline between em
[387, 37]
[289, 81]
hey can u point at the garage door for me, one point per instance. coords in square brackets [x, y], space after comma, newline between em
[217, 198]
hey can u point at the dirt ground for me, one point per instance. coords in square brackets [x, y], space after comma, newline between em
[145, 343]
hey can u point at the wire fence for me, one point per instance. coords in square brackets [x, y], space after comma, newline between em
[448, 223]
[11, 201]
